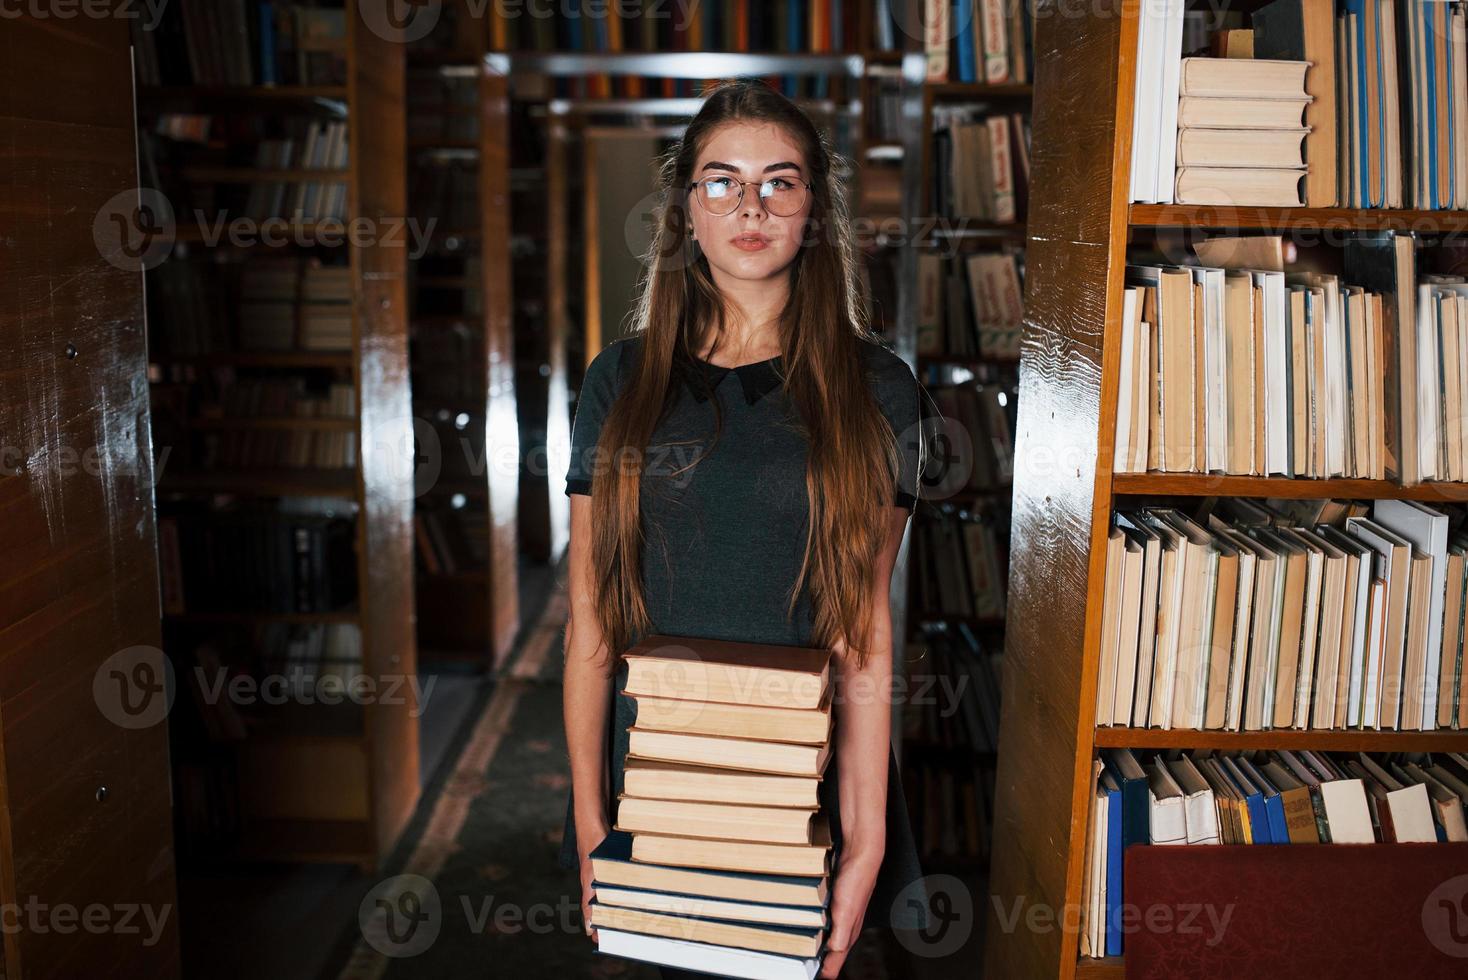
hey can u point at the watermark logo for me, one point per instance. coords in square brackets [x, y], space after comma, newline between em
[1445, 917]
[950, 455]
[401, 916]
[401, 21]
[411, 452]
[134, 688]
[135, 230]
[640, 233]
[945, 908]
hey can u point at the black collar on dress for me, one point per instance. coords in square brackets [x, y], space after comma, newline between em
[758, 379]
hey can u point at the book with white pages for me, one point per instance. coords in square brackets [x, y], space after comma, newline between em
[1269, 585]
[1304, 666]
[1344, 798]
[700, 907]
[1199, 807]
[1093, 930]
[723, 961]
[1146, 121]
[1133, 565]
[1411, 811]
[1111, 607]
[1279, 670]
[1319, 663]
[1447, 808]
[1152, 547]
[1128, 385]
[1169, 616]
[1355, 627]
[1276, 354]
[1238, 650]
[1213, 398]
[1213, 685]
[1427, 529]
[1168, 823]
[1242, 368]
[1168, 92]
[1199, 571]
[1382, 697]
[1429, 389]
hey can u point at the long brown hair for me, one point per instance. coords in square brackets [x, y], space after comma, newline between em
[853, 456]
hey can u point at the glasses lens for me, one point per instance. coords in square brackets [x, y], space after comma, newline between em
[782, 196]
[718, 195]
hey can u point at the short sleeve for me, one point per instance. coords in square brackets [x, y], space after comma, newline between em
[598, 391]
[899, 396]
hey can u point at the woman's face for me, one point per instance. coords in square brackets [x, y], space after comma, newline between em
[750, 243]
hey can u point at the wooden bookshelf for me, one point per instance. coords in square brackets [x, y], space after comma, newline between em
[322, 785]
[1285, 220]
[1080, 223]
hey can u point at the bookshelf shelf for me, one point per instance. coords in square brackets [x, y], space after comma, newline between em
[1211, 485]
[252, 618]
[1106, 968]
[250, 175]
[1327, 741]
[975, 91]
[272, 95]
[264, 359]
[264, 483]
[1291, 219]
[277, 424]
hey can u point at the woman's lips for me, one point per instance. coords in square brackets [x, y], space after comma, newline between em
[751, 243]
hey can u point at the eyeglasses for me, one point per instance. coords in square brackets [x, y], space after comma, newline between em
[781, 196]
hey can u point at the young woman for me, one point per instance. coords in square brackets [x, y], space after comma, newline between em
[743, 467]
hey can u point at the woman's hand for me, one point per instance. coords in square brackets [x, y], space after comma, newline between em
[586, 842]
[856, 876]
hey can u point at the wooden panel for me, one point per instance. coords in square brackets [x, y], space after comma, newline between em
[502, 420]
[558, 413]
[85, 816]
[1074, 257]
[304, 779]
[386, 479]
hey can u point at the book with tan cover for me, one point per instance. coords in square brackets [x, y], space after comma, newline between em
[698, 669]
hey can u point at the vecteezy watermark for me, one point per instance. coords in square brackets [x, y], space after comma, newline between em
[404, 915]
[134, 688]
[150, 12]
[64, 919]
[936, 916]
[1182, 919]
[1445, 917]
[401, 916]
[64, 460]
[135, 229]
[406, 21]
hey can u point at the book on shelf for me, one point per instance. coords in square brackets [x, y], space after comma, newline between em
[971, 306]
[984, 42]
[981, 163]
[1333, 616]
[719, 840]
[241, 43]
[1382, 85]
[960, 564]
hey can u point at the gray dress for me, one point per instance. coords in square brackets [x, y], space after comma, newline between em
[723, 541]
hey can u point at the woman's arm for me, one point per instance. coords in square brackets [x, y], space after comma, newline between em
[863, 746]
[586, 700]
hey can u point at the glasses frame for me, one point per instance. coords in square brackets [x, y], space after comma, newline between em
[738, 203]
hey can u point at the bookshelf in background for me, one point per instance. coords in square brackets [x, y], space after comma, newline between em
[965, 173]
[276, 351]
[466, 552]
[1082, 236]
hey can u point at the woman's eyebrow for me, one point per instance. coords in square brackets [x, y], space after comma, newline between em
[720, 165]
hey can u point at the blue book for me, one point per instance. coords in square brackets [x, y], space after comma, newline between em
[794, 20]
[1136, 796]
[1254, 800]
[1113, 864]
[267, 44]
[1279, 830]
[964, 41]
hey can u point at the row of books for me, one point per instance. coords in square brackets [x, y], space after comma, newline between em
[985, 412]
[1244, 370]
[271, 398]
[242, 42]
[1204, 798]
[981, 163]
[959, 563]
[970, 306]
[313, 145]
[1376, 90]
[1248, 618]
[447, 196]
[450, 540]
[255, 562]
[951, 701]
[289, 304]
[720, 855]
[988, 41]
[951, 808]
[442, 108]
[296, 449]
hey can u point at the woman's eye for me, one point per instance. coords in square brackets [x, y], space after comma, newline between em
[779, 184]
[718, 185]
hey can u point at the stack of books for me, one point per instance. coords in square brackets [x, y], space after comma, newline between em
[720, 856]
[1240, 132]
